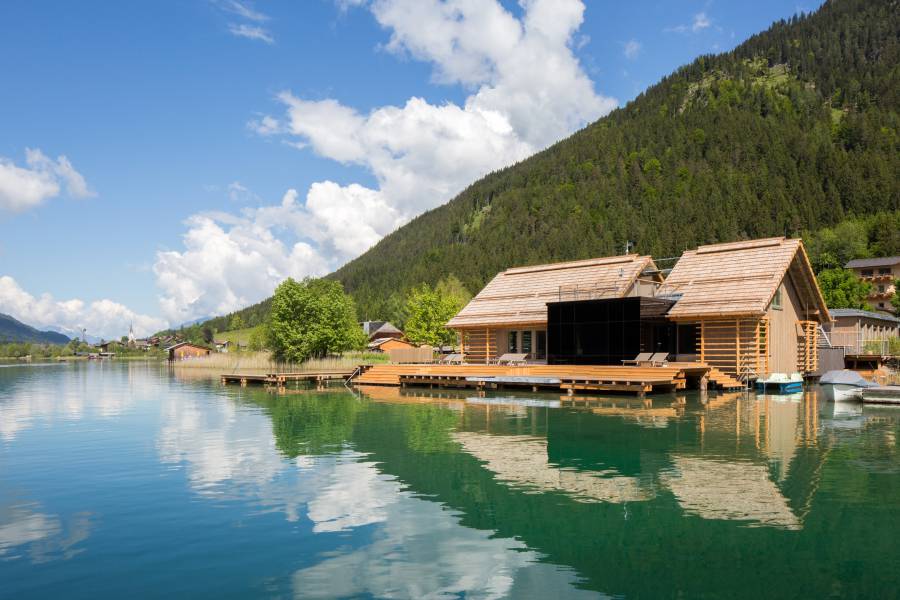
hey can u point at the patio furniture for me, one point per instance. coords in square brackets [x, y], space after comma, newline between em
[640, 358]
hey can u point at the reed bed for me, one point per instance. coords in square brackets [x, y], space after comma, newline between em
[263, 362]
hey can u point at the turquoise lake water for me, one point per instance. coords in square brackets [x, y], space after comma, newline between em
[134, 481]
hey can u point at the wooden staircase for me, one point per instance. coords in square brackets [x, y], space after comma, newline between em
[724, 380]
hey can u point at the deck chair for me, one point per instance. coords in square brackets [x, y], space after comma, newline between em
[640, 358]
[659, 359]
[512, 359]
[452, 359]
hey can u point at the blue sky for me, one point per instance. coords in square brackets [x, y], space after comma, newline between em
[213, 147]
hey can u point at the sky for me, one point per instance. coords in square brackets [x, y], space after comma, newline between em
[171, 160]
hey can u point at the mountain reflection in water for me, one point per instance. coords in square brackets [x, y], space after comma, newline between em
[132, 476]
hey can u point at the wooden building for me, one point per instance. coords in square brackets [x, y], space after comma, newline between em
[386, 344]
[186, 350]
[376, 330]
[881, 273]
[510, 314]
[861, 331]
[749, 308]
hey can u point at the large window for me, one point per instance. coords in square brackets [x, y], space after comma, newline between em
[884, 271]
[526, 342]
[540, 348]
[513, 345]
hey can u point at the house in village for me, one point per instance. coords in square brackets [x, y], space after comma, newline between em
[386, 344]
[881, 273]
[748, 308]
[859, 331]
[186, 350]
[382, 336]
[510, 314]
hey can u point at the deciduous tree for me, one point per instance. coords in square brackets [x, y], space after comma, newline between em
[311, 319]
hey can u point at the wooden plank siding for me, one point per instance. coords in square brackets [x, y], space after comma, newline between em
[738, 347]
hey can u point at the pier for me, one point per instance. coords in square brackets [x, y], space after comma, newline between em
[567, 378]
[282, 379]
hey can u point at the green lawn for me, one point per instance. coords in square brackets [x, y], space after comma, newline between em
[237, 336]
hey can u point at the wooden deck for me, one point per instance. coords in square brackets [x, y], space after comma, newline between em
[570, 378]
[281, 379]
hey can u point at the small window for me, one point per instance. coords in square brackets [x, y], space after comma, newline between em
[526, 342]
[881, 305]
[776, 301]
[513, 345]
[881, 289]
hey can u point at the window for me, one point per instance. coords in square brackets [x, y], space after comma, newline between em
[540, 347]
[513, 345]
[526, 342]
[884, 271]
[881, 289]
[867, 272]
[881, 305]
[776, 300]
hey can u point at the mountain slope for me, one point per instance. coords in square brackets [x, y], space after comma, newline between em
[12, 330]
[794, 130]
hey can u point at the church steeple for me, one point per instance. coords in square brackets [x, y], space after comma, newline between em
[131, 333]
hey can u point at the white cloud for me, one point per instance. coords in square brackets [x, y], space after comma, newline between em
[253, 32]
[421, 154]
[230, 261]
[527, 90]
[244, 10]
[102, 318]
[701, 21]
[632, 49]
[42, 178]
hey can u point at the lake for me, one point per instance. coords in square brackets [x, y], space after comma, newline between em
[134, 480]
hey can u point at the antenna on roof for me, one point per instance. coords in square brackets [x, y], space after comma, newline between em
[629, 246]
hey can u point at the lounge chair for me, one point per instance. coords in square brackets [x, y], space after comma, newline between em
[512, 359]
[452, 359]
[659, 359]
[639, 359]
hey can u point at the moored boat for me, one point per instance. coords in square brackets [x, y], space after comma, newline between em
[844, 385]
[781, 382]
[882, 394]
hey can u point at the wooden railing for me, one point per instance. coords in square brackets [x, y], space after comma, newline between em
[738, 347]
[807, 346]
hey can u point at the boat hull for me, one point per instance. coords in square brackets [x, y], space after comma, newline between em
[841, 392]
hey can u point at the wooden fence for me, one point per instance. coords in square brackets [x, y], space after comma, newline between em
[422, 354]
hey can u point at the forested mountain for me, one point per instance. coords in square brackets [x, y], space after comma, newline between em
[795, 130]
[12, 330]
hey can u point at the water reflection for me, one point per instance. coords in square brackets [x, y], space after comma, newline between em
[27, 531]
[408, 493]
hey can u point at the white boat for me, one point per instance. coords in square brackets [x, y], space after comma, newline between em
[882, 394]
[844, 385]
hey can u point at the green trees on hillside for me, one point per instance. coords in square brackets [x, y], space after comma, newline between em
[311, 319]
[795, 130]
[843, 289]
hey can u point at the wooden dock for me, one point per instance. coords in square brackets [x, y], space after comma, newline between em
[282, 379]
[569, 378]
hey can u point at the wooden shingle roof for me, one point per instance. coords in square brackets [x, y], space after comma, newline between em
[519, 296]
[741, 278]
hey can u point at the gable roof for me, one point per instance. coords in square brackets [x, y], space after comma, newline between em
[741, 278]
[883, 261]
[519, 296]
[863, 314]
